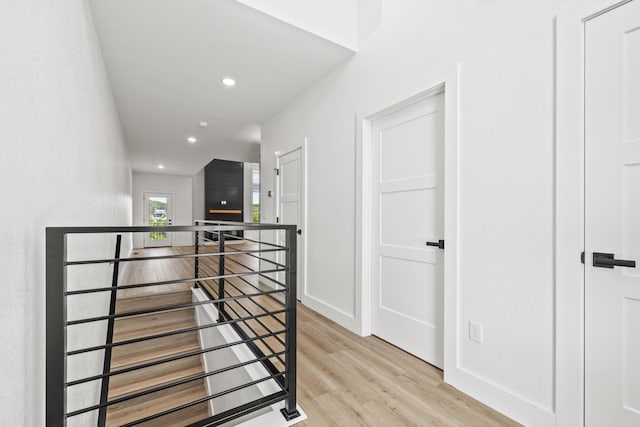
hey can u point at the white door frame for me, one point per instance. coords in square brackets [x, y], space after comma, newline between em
[447, 80]
[301, 288]
[569, 227]
[145, 214]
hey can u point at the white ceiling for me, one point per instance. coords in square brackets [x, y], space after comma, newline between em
[166, 59]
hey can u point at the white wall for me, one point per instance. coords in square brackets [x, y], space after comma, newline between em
[198, 195]
[180, 186]
[63, 163]
[506, 179]
[334, 20]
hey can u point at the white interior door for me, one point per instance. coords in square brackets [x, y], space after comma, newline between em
[158, 211]
[290, 203]
[407, 212]
[612, 218]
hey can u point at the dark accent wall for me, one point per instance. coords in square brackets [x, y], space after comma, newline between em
[224, 181]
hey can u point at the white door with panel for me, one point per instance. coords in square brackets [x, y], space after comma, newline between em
[407, 148]
[612, 218]
[290, 203]
[158, 211]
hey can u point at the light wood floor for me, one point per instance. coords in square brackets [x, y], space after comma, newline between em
[347, 380]
[131, 355]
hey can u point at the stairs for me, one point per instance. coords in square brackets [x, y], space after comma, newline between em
[148, 378]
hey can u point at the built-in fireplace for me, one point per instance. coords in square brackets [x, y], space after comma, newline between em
[224, 192]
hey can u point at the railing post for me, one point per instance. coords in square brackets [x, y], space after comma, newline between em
[221, 273]
[290, 410]
[56, 338]
[106, 365]
[196, 260]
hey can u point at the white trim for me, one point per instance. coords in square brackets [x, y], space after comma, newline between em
[513, 405]
[305, 240]
[145, 215]
[449, 80]
[303, 226]
[569, 201]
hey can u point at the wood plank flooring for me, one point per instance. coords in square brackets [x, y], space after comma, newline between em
[347, 380]
[158, 349]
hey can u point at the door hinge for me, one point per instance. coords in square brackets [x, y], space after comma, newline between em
[277, 171]
[278, 219]
[582, 257]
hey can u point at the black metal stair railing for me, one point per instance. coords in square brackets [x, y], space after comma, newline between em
[237, 278]
[106, 366]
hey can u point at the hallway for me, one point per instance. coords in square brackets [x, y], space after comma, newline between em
[347, 380]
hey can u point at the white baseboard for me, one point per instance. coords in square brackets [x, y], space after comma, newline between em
[500, 399]
[331, 312]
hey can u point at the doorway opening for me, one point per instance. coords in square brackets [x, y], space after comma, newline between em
[597, 179]
[408, 169]
[158, 209]
[290, 202]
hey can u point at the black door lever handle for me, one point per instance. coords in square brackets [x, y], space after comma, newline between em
[608, 261]
[438, 244]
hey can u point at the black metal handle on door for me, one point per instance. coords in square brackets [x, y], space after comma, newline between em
[438, 244]
[608, 261]
[300, 232]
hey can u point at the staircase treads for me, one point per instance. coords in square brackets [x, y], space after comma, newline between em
[154, 323]
[154, 300]
[169, 348]
[177, 340]
[141, 381]
[158, 402]
[153, 290]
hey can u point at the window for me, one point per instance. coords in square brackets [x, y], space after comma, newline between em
[255, 206]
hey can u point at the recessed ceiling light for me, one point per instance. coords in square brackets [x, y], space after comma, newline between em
[192, 139]
[160, 166]
[203, 124]
[228, 82]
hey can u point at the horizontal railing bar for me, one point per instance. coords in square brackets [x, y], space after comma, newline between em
[263, 243]
[168, 359]
[253, 331]
[260, 273]
[264, 275]
[257, 304]
[275, 300]
[180, 256]
[260, 258]
[206, 286]
[240, 411]
[261, 324]
[260, 242]
[215, 242]
[208, 268]
[204, 399]
[168, 386]
[229, 245]
[263, 258]
[215, 222]
[168, 334]
[167, 282]
[163, 309]
[238, 328]
[171, 228]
